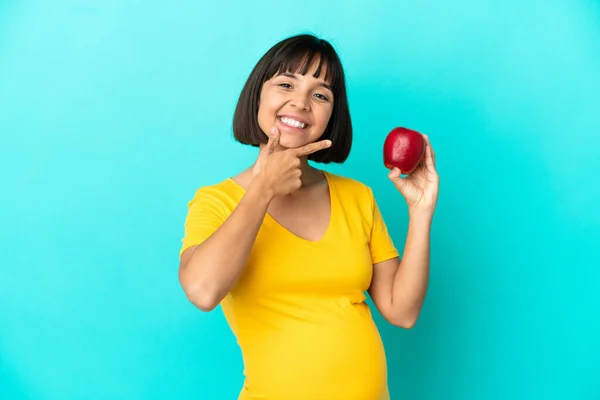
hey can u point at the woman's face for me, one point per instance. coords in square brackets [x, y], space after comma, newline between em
[298, 105]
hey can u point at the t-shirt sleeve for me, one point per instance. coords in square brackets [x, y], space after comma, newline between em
[206, 213]
[381, 244]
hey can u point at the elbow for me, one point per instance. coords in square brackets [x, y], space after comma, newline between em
[199, 295]
[408, 324]
[204, 306]
[201, 299]
[404, 322]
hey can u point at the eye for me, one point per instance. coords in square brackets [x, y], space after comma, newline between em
[285, 85]
[322, 97]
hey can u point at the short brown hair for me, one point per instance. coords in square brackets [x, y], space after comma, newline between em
[296, 54]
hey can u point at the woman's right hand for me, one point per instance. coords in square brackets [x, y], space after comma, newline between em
[279, 172]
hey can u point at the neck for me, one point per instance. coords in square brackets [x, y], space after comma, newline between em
[310, 175]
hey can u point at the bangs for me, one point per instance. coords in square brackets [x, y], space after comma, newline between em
[298, 58]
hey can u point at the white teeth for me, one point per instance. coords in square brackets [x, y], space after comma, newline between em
[292, 122]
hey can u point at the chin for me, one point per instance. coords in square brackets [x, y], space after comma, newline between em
[291, 142]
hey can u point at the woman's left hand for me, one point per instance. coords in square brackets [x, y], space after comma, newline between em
[420, 187]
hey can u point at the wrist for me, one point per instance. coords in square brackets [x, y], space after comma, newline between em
[420, 215]
[260, 190]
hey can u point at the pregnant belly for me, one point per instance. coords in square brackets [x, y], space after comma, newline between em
[342, 359]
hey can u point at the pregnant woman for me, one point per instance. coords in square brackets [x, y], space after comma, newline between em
[289, 250]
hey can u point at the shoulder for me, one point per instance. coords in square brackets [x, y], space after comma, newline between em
[226, 193]
[223, 186]
[351, 188]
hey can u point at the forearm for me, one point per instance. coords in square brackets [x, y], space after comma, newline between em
[412, 276]
[216, 264]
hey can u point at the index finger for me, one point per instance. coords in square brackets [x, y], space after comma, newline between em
[313, 147]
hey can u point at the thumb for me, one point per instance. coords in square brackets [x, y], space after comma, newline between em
[397, 180]
[272, 142]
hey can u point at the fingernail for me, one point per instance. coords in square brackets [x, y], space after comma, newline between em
[328, 143]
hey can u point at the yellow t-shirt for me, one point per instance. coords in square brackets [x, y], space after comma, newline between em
[298, 310]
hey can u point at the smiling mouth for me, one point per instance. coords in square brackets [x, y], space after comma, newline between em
[292, 123]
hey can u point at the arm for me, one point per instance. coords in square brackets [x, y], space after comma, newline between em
[398, 288]
[208, 271]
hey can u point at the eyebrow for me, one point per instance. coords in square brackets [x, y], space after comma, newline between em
[289, 75]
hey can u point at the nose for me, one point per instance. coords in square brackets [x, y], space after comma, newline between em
[300, 101]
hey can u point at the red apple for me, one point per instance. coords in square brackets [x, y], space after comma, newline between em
[404, 149]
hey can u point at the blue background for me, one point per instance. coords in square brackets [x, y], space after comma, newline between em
[113, 113]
